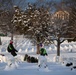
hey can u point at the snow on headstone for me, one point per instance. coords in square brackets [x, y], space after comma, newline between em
[24, 44]
[65, 42]
[3, 58]
[0, 58]
[70, 47]
[6, 51]
[20, 50]
[65, 47]
[74, 46]
[26, 50]
[22, 58]
[32, 49]
[50, 48]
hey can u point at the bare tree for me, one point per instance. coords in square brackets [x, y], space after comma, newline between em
[59, 30]
[33, 23]
[37, 23]
[63, 24]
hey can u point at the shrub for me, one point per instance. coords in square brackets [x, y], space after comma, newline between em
[30, 59]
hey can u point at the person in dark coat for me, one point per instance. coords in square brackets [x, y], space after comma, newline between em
[11, 48]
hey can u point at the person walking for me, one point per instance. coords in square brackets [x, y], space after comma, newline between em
[42, 60]
[13, 60]
[11, 49]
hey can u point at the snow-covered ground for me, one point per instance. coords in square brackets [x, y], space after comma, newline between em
[56, 65]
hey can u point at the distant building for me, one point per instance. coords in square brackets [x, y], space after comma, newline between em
[64, 15]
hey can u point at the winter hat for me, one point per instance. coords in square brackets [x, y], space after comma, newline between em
[11, 41]
[40, 44]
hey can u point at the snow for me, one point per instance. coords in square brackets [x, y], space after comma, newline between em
[56, 65]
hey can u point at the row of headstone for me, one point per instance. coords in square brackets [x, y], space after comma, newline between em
[26, 48]
[23, 44]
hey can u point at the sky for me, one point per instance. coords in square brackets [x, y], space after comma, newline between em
[42, 0]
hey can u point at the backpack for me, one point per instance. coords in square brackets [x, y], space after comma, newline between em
[43, 52]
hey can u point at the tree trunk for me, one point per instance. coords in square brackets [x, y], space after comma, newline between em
[38, 49]
[12, 35]
[58, 47]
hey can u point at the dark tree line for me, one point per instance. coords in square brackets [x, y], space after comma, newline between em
[6, 15]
